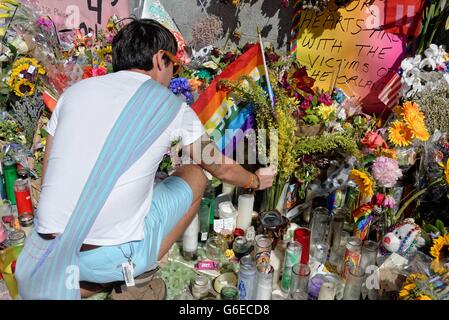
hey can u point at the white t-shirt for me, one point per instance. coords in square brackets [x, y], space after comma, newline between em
[80, 124]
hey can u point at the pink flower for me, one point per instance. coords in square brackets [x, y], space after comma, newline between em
[101, 71]
[389, 202]
[386, 171]
[325, 99]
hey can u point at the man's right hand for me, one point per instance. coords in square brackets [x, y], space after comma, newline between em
[266, 177]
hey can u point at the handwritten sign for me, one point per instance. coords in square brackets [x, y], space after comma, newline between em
[87, 15]
[348, 47]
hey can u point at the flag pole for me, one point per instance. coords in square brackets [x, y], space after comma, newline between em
[267, 76]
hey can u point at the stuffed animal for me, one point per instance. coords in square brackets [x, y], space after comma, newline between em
[404, 238]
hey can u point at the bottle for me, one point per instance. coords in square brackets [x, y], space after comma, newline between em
[190, 240]
[204, 217]
[10, 174]
[229, 293]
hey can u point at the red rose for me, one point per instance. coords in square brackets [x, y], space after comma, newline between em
[96, 72]
[373, 140]
[378, 199]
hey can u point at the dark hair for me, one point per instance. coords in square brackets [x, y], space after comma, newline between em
[137, 42]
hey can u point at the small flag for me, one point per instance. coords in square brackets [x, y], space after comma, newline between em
[223, 119]
[391, 93]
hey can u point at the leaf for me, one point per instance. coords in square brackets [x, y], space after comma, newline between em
[440, 225]
[315, 101]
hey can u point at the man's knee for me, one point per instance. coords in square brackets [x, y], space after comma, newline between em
[194, 176]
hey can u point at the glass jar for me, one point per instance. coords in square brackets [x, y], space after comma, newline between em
[200, 287]
[319, 227]
[263, 252]
[321, 252]
[229, 293]
[292, 257]
[353, 286]
[352, 255]
[300, 281]
[240, 247]
[264, 286]
[227, 212]
[247, 278]
[369, 254]
[215, 248]
[16, 238]
[302, 235]
[336, 228]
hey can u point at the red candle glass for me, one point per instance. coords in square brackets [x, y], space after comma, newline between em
[302, 235]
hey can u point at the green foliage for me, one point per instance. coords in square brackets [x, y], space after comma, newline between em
[328, 142]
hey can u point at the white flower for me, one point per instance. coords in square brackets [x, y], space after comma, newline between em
[20, 45]
[434, 56]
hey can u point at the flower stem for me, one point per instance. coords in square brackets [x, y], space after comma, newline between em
[415, 196]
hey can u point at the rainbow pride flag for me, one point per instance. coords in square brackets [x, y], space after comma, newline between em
[224, 119]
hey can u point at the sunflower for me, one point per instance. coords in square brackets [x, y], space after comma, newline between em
[400, 134]
[446, 172]
[419, 130]
[410, 290]
[440, 252]
[412, 113]
[364, 182]
[23, 87]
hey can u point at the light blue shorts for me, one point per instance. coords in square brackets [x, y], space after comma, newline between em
[171, 200]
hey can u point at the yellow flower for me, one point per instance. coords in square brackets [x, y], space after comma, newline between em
[389, 153]
[326, 112]
[446, 172]
[419, 130]
[229, 253]
[23, 87]
[440, 252]
[411, 112]
[364, 181]
[400, 134]
[424, 297]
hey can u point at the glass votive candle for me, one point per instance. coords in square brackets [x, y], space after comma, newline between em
[327, 291]
[299, 282]
[319, 227]
[315, 285]
[321, 252]
[263, 251]
[354, 281]
[369, 254]
[241, 247]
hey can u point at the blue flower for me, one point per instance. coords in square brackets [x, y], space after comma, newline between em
[182, 86]
[339, 96]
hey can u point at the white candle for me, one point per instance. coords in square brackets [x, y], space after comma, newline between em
[327, 291]
[228, 188]
[245, 211]
[190, 236]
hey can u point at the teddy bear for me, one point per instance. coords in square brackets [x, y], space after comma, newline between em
[404, 239]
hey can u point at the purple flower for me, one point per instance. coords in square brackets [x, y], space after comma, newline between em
[182, 86]
[386, 171]
[45, 23]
